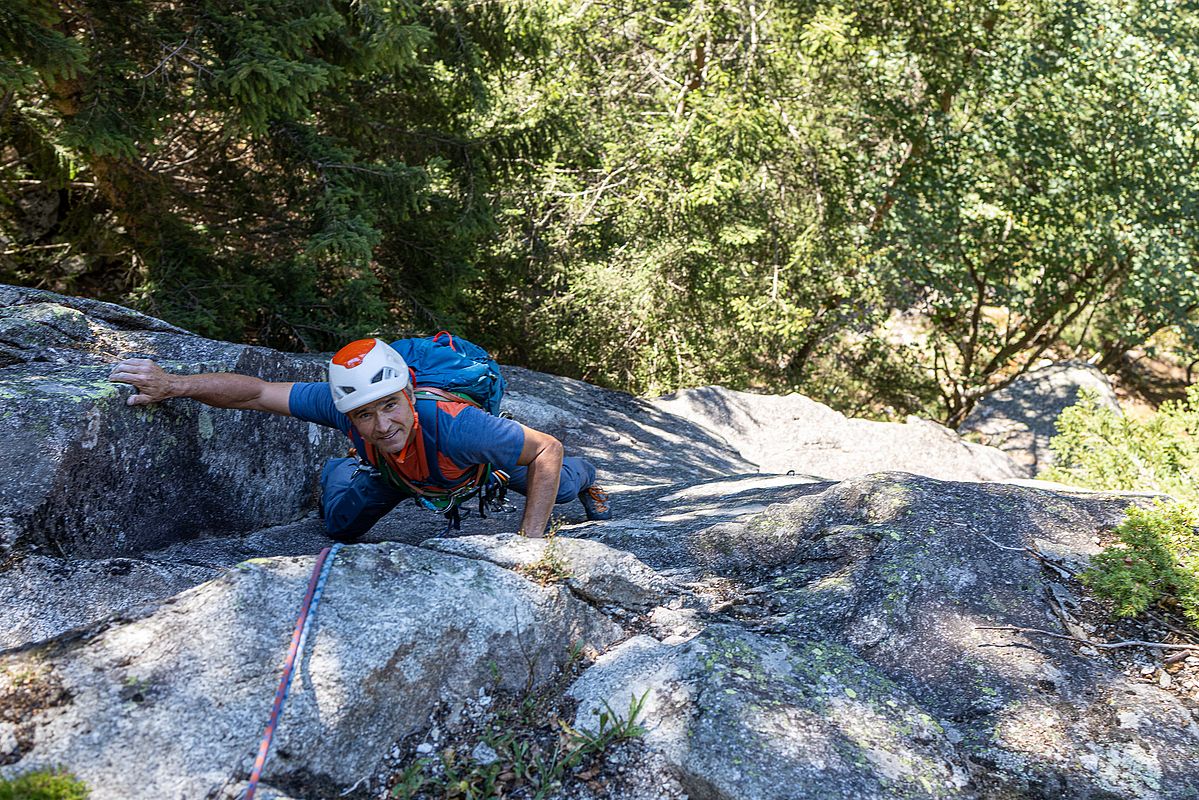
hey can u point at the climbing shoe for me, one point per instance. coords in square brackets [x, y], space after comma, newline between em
[595, 502]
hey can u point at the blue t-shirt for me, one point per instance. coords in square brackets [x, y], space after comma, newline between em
[471, 437]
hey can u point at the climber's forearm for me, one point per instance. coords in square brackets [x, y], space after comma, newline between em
[220, 389]
[542, 454]
[227, 390]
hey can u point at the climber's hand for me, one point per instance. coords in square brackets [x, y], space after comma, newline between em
[152, 383]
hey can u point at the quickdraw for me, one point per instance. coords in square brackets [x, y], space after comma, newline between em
[491, 496]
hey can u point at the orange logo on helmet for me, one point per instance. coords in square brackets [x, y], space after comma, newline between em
[352, 354]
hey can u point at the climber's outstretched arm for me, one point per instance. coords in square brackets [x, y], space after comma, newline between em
[220, 389]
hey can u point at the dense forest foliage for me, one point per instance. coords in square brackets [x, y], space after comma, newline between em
[888, 206]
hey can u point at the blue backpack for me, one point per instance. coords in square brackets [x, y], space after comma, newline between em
[454, 365]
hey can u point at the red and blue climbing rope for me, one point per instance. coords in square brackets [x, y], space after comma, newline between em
[312, 598]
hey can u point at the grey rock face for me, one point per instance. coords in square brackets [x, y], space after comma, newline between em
[811, 638]
[82, 474]
[1020, 419]
[895, 575]
[173, 704]
[740, 715]
[595, 572]
[793, 433]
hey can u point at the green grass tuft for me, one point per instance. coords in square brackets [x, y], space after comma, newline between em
[523, 764]
[43, 785]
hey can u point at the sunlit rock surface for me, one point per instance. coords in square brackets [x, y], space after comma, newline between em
[172, 704]
[794, 434]
[1019, 419]
[807, 635]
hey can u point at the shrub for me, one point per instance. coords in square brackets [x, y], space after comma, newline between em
[1098, 448]
[1157, 556]
[43, 785]
[1156, 559]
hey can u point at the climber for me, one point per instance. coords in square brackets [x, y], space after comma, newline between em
[408, 444]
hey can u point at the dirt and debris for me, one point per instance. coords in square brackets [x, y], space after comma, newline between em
[24, 693]
[1172, 666]
[1174, 670]
[498, 745]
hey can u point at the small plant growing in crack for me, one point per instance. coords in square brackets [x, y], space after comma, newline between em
[535, 753]
[549, 568]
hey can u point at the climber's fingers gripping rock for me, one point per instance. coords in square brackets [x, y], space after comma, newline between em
[152, 383]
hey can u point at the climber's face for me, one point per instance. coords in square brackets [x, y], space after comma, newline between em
[387, 423]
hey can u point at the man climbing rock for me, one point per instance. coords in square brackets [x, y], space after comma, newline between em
[410, 441]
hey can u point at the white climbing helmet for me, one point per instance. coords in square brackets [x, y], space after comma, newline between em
[363, 371]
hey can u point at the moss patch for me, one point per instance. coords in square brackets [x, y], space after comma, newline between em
[43, 785]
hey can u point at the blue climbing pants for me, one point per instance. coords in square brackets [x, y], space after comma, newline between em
[353, 500]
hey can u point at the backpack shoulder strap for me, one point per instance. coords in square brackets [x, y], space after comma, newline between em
[432, 392]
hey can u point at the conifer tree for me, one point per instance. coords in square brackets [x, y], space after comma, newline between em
[248, 169]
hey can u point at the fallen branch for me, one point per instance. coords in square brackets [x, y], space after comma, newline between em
[1057, 566]
[1088, 642]
[1068, 621]
[1002, 546]
[1185, 634]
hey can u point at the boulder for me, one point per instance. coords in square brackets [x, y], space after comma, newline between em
[593, 571]
[794, 434]
[1021, 418]
[84, 475]
[739, 715]
[884, 586]
[173, 704]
